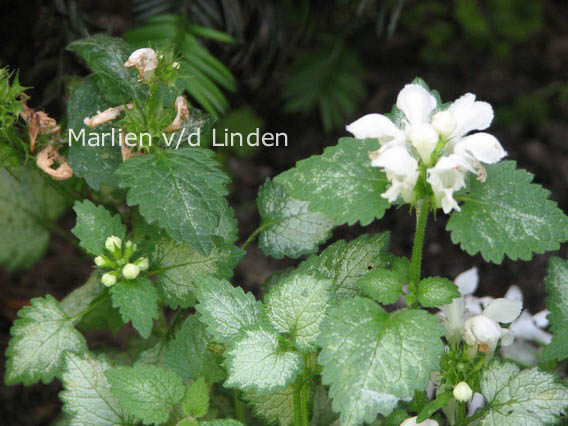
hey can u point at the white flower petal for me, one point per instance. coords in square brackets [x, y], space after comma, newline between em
[446, 178]
[525, 328]
[481, 146]
[470, 115]
[396, 160]
[467, 281]
[416, 103]
[424, 138]
[454, 318]
[503, 310]
[507, 337]
[473, 305]
[376, 126]
[522, 352]
[477, 402]
[541, 318]
[514, 293]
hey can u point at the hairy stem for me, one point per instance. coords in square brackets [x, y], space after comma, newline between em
[422, 210]
[301, 409]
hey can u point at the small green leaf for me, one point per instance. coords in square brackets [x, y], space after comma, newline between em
[557, 302]
[40, 338]
[28, 205]
[340, 183]
[288, 227]
[433, 406]
[256, 363]
[276, 407]
[372, 359]
[297, 306]
[86, 395]
[507, 215]
[226, 310]
[344, 263]
[528, 397]
[188, 354]
[182, 190]
[101, 314]
[137, 301]
[436, 291]
[181, 265]
[147, 392]
[382, 285]
[94, 225]
[196, 400]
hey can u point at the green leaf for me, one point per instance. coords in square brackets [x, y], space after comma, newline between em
[557, 302]
[340, 183]
[528, 397]
[94, 225]
[188, 354]
[226, 310]
[221, 422]
[78, 300]
[137, 301]
[344, 263]
[40, 338]
[96, 163]
[147, 392]
[182, 190]
[507, 215]
[288, 227]
[297, 306]
[28, 205]
[372, 359]
[106, 56]
[101, 314]
[433, 406]
[256, 363]
[196, 400]
[86, 395]
[181, 265]
[276, 407]
[436, 291]
[382, 285]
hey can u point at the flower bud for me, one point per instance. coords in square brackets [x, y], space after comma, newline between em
[481, 330]
[112, 242]
[108, 279]
[129, 249]
[175, 65]
[444, 122]
[462, 392]
[412, 422]
[142, 263]
[100, 261]
[130, 271]
[424, 138]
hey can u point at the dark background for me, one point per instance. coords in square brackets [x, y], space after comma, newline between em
[511, 53]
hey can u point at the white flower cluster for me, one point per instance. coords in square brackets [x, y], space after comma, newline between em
[119, 261]
[435, 138]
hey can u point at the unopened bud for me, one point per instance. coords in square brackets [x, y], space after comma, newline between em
[142, 263]
[112, 242]
[412, 422]
[424, 138]
[108, 279]
[175, 65]
[130, 271]
[100, 261]
[462, 392]
[444, 122]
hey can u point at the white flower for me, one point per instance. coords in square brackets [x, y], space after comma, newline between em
[130, 271]
[145, 61]
[444, 122]
[412, 422]
[484, 329]
[424, 138]
[446, 178]
[142, 263]
[100, 261]
[108, 279]
[454, 313]
[401, 170]
[112, 242]
[462, 392]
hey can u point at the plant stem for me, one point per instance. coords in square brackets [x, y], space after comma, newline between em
[301, 409]
[257, 231]
[422, 210]
[240, 410]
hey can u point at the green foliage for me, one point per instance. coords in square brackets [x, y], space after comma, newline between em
[327, 78]
[204, 74]
[557, 302]
[226, 310]
[137, 301]
[147, 392]
[344, 263]
[11, 99]
[297, 306]
[94, 225]
[276, 407]
[340, 183]
[436, 291]
[28, 207]
[180, 265]
[517, 397]
[40, 338]
[372, 359]
[288, 227]
[86, 395]
[196, 400]
[182, 190]
[507, 215]
[382, 285]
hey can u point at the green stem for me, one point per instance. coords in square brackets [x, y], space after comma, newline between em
[257, 231]
[422, 210]
[478, 414]
[301, 408]
[240, 410]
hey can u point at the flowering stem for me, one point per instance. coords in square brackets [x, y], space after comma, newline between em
[301, 415]
[422, 210]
